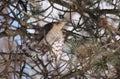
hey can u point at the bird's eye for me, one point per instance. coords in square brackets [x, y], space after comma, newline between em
[56, 23]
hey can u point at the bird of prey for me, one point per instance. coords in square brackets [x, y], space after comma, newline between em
[52, 35]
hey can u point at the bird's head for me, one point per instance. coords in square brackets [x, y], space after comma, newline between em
[60, 25]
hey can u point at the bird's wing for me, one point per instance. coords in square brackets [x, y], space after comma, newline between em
[44, 30]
